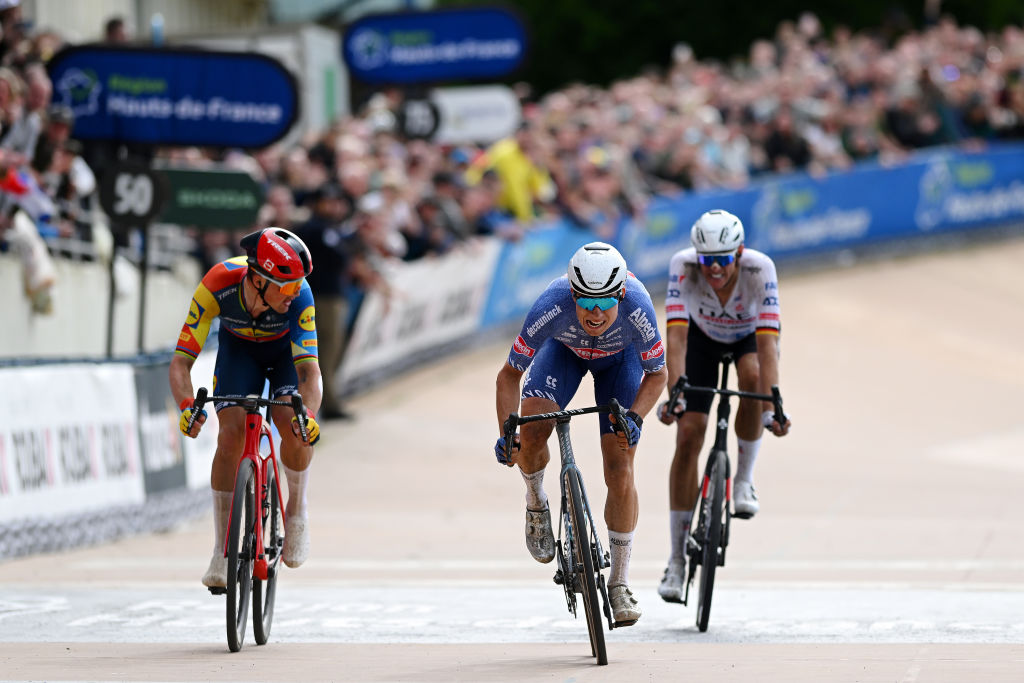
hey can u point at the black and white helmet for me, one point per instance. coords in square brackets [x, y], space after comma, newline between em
[717, 232]
[597, 270]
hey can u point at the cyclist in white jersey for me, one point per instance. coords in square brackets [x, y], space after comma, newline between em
[722, 298]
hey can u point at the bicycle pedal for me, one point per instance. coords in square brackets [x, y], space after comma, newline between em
[742, 515]
[620, 624]
[217, 590]
[558, 578]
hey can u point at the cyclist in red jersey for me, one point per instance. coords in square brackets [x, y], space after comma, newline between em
[267, 333]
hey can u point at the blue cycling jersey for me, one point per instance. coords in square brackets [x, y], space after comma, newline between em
[553, 316]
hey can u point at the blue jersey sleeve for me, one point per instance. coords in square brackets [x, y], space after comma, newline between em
[642, 323]
[302, 315]
[542, 322]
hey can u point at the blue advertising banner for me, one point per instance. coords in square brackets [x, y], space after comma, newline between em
[175, 97]
[526, 267]
[787, 216]
[440, 45]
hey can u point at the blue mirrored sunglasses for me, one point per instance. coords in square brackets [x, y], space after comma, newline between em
[604, 302]
[710, 259]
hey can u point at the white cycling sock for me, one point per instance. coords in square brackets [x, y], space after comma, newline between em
[536, 499]
[621, 545]
[746, 458]
[221, 514]
[297, 480]
[679, 528]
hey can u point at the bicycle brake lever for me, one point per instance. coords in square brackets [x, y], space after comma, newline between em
[779, 416]
[300, 414]
[197, 407]
[618, 413]
[509, 428]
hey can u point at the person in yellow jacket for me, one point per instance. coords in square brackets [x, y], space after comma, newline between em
[524, 183]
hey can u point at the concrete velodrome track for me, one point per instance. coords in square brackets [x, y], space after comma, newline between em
[889, 546]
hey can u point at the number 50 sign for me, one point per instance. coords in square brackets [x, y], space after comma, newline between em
[132, 194]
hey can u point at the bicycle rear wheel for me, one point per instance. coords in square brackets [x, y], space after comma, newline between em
[241, 541]
[712, 513]
[584, 564]
[263, 592]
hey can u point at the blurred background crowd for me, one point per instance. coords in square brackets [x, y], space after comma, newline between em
[801, 100]
[361, 194]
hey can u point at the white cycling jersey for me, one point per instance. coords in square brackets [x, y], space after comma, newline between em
[753, 306]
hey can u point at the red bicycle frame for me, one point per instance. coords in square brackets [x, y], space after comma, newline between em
[255, 429]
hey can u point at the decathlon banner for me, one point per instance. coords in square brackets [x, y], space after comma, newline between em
[175, 96]
[440, 45]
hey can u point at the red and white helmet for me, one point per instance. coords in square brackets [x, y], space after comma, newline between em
[278, 255]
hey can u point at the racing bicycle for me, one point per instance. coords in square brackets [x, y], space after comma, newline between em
[709, 536]
[578, 551]
[255, 538]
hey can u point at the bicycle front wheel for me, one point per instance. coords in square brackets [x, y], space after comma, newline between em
[712, 514]
[263, 592]
[585, 566]
[241, 541]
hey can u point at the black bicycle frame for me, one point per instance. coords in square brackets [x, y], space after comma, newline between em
[568, 467]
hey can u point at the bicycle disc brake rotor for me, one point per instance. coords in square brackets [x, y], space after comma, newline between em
[568, 577]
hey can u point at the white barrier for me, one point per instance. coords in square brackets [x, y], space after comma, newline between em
[77, 327]
[90, 452]
[433, 302]
[68, 440]
[199, 451]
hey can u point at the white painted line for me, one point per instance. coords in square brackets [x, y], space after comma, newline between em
[376, 614]
[908, 565]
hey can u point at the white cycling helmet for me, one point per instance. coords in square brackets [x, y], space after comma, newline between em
[597, 270]
[717, 232]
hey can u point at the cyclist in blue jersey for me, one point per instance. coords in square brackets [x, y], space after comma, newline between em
[267, 332]
[598, 319]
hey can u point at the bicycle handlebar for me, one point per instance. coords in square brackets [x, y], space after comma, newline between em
[252, 404]
[682, 384]
[513, 420]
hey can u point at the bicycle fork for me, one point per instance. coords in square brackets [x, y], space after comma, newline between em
[695, 542]
[593, 545]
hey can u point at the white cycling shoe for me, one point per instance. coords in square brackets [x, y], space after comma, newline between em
[625, 609]
[671, 587]
[540, 539]
[216, 575]
[744, 499]
[296, 541]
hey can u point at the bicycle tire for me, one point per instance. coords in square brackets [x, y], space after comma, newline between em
[241, 540]
[713, 512]
[273, 546]
[584, 557]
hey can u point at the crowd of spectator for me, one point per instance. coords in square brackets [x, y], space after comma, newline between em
[801, 100]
